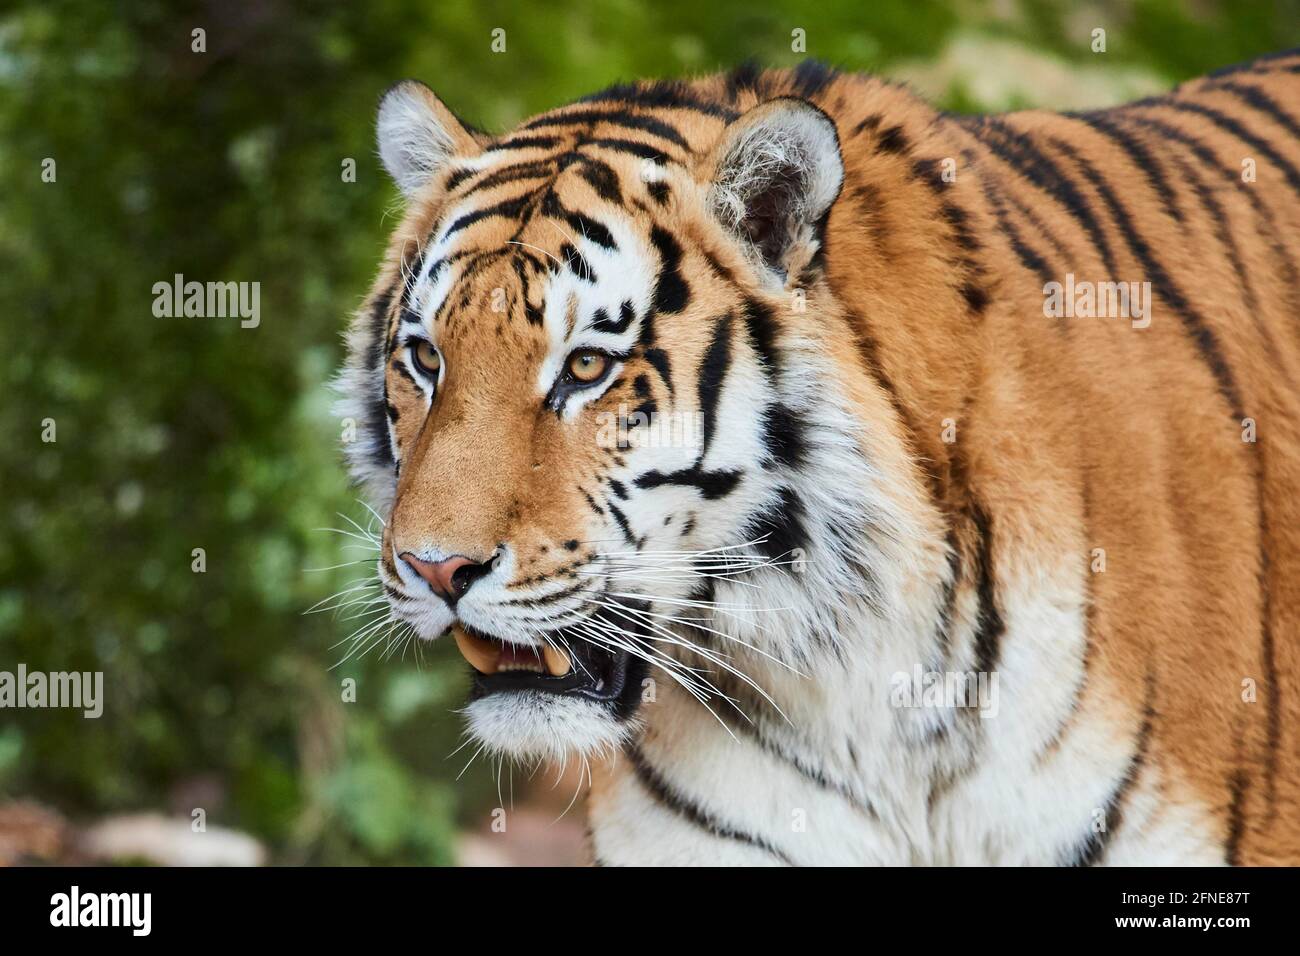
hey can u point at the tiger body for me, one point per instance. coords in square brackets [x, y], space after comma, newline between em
[928, 473]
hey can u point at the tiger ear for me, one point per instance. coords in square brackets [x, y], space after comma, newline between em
[418, 135]
[775, 174]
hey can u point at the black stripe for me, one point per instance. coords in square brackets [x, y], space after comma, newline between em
[524, 142]
[644, 124]
[510, 209]
[668, 94]
[542, 600]
[645, 412]
[1093, 847]
[621, 520]
[577, 262]
[1259, 100]
[870, 123]
[893, 140]
[456, 178]
[531, 312]
[1237, 785]
[762, 329]
[1192, 321]
[811, 77]
[989, 626]
[928, 172]
[959, 220]
[710, 484]
[1207, 156]
[603, 323]
[747, 76]
[948, 602]
[676, 801]
[977, 298]
[640, 150]
[583, 224]
[713, 372]
[1268, 648]
[754, 729]
[1219, 220]
[1036, 221]
[781, 525]
[658, 358]
[515, 172]
[1246, 136]
[1030, 259]
[1258, 64]
[869, 352]
[400, 369]
[601, 177]
[1140, 156]
[671, 291]
[1018, 151]
[784, 439]
[376, 424]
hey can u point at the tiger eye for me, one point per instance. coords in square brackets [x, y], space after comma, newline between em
[427, 359]
[588, 366]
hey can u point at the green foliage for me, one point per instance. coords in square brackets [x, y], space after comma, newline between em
[175, 434]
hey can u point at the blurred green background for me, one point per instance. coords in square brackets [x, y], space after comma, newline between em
[177, 434]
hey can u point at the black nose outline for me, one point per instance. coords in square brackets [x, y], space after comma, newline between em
[463, 578]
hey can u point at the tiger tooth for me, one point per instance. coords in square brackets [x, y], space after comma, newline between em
[483, 656]
[557, 662]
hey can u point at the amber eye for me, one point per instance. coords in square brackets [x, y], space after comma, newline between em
[588, 366]
[426, 359]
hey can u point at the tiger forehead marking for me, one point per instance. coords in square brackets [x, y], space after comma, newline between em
[898, 464]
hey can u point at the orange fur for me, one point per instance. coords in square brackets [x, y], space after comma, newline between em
[1071, 434]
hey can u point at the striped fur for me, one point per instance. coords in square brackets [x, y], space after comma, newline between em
[927, 469]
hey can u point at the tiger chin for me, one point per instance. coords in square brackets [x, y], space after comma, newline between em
[724, 428]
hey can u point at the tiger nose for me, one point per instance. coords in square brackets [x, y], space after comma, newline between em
[451, 578]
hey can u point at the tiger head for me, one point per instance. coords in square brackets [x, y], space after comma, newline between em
[600, 405]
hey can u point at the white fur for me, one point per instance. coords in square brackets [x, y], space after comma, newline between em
[790, 135]
[538, 725]
[413, 144]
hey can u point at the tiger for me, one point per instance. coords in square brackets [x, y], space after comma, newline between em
[848, 482]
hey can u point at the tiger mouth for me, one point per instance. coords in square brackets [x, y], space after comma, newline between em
[566, 665]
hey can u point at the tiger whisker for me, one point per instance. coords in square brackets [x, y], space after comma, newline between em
[675, 669]
[710, 656]
[688, 622]
[516, 242]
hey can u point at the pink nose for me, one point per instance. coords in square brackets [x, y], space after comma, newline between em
[450, 578]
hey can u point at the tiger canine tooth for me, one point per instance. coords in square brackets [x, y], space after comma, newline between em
[557, 662]
[482, 655]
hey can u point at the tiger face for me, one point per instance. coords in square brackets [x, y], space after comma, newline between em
[574, 417]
